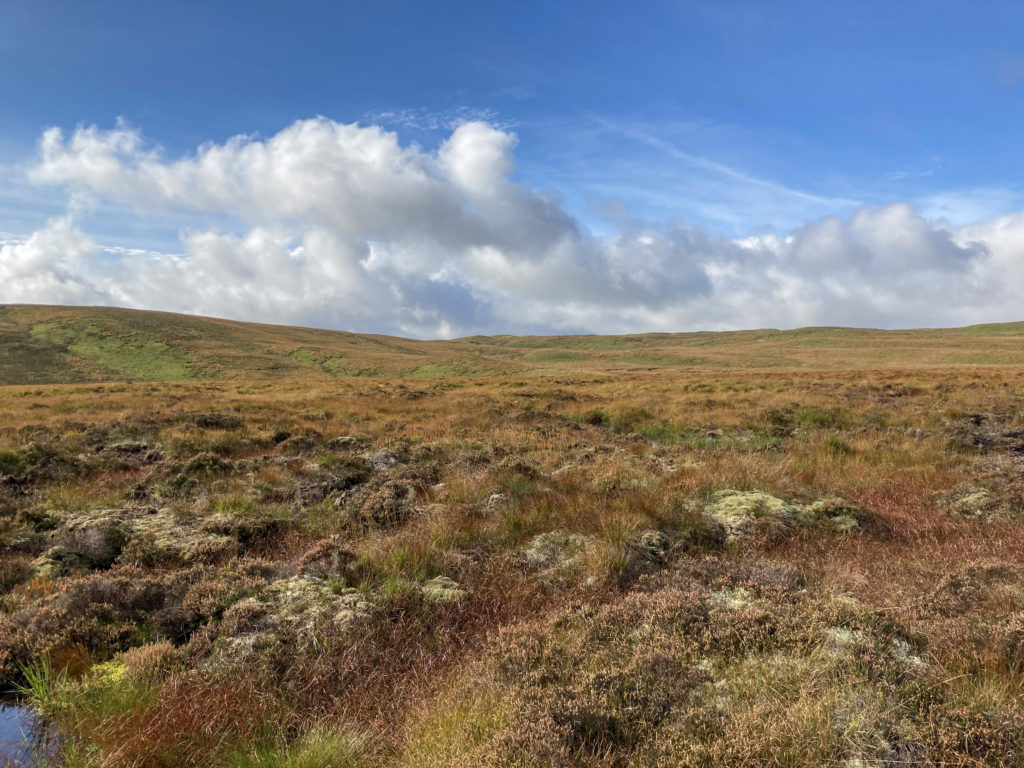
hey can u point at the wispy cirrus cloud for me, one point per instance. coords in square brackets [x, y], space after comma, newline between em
[423, 119]
[708, 164]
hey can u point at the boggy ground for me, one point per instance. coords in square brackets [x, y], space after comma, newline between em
[650, 569]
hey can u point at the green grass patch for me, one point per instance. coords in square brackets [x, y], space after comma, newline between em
[993, 329]
[133, 355]
[660, 432]
[12, 463]
[322, 747]
[659, 361]
[836, 446]
[813, 416]
[303, 356]
[441, 370]
[553, 356]
[629, 419]
[336, 365]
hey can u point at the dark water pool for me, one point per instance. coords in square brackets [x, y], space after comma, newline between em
[25, 742]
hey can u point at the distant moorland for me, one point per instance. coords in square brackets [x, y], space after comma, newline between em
[43, 344]
[763, 548]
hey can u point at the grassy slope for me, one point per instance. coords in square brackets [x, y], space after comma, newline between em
[42, 344]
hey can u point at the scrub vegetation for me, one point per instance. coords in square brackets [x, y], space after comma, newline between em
[611, 567]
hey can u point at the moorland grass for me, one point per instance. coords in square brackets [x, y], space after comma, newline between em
[520, 570]
[63, 344]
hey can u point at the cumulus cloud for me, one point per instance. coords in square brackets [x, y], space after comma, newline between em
[52, 263]
[344, 226]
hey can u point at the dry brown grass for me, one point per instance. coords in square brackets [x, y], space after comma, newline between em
[233, 486]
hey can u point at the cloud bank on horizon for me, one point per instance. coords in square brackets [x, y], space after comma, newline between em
[342, 226]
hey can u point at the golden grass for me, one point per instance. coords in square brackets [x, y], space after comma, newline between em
[482, 467]
[44, 344]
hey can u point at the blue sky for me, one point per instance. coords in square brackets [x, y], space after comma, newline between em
[740, 119]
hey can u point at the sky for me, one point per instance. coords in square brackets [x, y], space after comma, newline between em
[452, 168]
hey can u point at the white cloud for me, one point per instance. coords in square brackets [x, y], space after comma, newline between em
[343, 226]
[51, 263]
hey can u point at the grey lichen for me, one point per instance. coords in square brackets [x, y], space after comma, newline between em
[743, 512]
[442, 589]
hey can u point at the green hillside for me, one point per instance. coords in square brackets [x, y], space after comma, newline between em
[43, 344]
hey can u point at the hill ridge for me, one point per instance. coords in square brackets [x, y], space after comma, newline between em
[43, 344]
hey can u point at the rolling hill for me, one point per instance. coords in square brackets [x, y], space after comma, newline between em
[47, 344]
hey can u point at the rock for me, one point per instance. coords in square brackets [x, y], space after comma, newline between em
[442, 589]
[383, 459]
[495, 502]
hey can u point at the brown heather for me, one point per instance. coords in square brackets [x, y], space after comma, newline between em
[612, 567]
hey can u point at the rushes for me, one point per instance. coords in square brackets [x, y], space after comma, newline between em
[43, 687]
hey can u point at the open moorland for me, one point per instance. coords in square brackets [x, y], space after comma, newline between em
[237, 546]
[44, 345]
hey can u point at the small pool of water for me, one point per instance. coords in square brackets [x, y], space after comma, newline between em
[25, 742]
